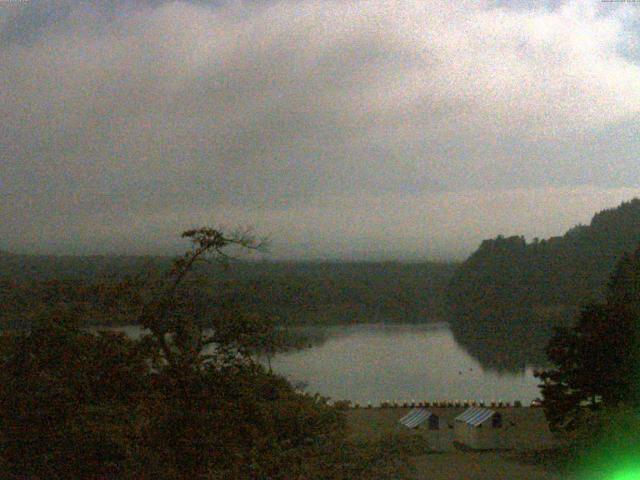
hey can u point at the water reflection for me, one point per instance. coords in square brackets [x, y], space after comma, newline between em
[504, 348]
[400, 362]
[509, 341]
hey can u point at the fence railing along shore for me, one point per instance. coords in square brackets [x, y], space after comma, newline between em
[436, 404]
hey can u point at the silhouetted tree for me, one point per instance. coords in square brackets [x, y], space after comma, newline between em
[597, 359]
[180, 403]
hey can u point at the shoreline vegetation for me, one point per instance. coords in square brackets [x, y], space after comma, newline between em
[504, 277]
[502, 303]
[493, 298]
[515, 293]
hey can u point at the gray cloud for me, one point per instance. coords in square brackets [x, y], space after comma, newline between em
[339, 127]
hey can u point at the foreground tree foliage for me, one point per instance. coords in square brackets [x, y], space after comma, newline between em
[597, 360]
[178, 403]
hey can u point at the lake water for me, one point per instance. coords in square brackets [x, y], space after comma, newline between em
[387, 362]
[400, 362]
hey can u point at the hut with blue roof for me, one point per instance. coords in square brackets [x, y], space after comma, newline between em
[420, 416]
[479, 428]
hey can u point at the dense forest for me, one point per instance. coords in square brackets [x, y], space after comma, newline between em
[510, 289]
[293, 292]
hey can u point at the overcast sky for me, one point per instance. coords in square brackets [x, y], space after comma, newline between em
[337, 128]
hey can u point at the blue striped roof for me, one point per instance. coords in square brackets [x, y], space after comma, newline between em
[475, 416]
[415, 417]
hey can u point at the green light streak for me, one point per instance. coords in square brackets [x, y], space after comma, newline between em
[633, 474]
[609, 446]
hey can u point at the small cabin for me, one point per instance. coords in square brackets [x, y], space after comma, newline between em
[421, 418]
[479, 428]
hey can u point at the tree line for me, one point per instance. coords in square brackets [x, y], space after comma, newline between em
[508, 273]
[293, 292]
[509, 285]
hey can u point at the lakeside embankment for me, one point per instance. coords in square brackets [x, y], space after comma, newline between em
[524, 427]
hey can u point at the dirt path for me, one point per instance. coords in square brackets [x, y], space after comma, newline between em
[477, 466]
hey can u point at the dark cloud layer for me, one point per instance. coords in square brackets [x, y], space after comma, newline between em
[340, 128]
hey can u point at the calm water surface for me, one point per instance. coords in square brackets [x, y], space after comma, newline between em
[374, 363]
[400, 362]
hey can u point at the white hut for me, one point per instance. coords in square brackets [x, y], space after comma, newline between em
[418, 416]
[479, 428]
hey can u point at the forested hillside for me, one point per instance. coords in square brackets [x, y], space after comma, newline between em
[507, 273]
[295, 292]
[509, 287]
